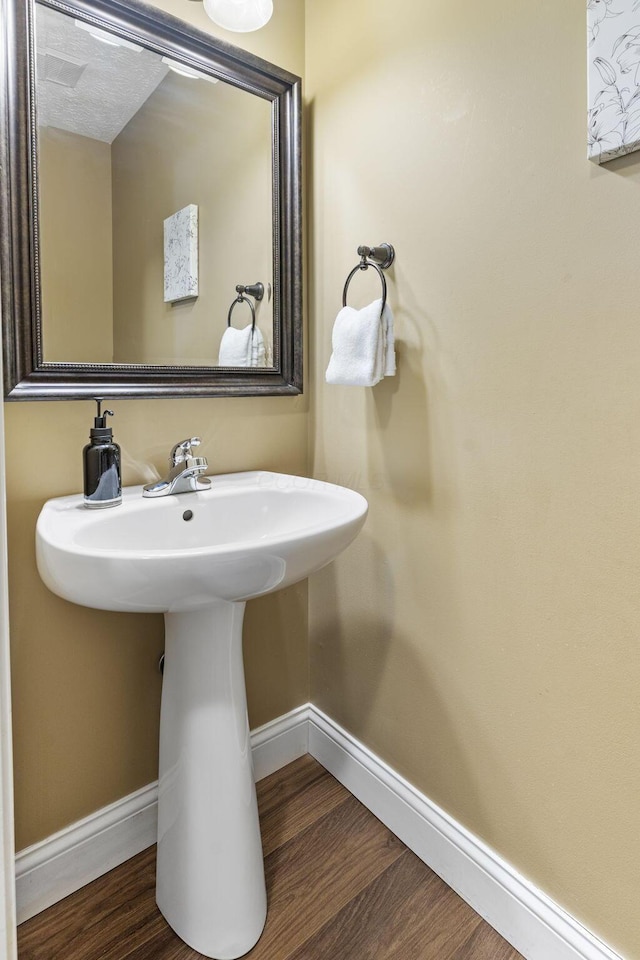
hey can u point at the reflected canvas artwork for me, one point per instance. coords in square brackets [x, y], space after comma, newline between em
[181, 255]
[613, 46]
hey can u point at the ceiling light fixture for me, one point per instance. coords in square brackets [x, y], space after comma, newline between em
[240, 16]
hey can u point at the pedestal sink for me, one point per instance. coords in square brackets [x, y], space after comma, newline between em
[197, 558]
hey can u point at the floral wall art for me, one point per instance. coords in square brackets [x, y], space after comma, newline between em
[613, 37]
[181, 255]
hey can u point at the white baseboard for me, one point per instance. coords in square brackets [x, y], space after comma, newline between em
[63, 863]
[280, 742]
[523, 914]
[536, 926]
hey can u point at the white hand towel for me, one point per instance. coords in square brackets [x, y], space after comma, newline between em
[390, 342]
[235, 347]
[257, 349]
[363, 346]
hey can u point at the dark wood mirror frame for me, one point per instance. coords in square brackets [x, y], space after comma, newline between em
[26, 375]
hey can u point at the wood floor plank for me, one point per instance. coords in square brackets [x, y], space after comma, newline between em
[292, 799]
[89, 923]
[284, 784]
[162, 945]
[407, 912]
[485, 943]
[99, 923]
[355, 931]
[440, 927]
[313, 876]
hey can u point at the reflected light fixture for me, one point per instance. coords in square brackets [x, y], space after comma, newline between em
[105, 37]
[240, 16]
[186, 71]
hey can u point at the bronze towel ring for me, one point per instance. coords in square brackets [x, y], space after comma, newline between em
[379, 258]
[253, 289]
[241, 299]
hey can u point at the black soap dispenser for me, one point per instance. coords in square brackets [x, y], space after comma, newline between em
[101, 457]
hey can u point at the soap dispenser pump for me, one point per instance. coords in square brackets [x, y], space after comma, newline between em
[101, 457]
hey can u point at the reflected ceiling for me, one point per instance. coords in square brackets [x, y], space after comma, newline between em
[87, 86]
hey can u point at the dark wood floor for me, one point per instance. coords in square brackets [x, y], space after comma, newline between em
[340, 887]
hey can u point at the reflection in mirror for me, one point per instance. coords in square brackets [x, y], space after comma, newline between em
[154, 202]
[150, 172]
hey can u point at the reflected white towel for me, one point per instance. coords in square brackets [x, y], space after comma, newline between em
[242, 348]
[363, 346]
[235, 348]
[257, 349]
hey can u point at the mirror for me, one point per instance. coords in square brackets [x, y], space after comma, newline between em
[156, 171]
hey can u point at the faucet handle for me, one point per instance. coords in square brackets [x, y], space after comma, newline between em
[182, 451]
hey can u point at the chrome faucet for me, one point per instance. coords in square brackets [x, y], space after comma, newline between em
[185, 473]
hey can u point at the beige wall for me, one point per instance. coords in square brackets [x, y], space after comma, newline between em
[85, 687]
[482, 633]
[211, 146]
[76, 248]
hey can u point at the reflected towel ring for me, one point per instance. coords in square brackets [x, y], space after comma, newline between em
[364, 265]
[241, 299]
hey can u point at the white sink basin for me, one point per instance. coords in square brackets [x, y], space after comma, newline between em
[251, 533]
[197, 557]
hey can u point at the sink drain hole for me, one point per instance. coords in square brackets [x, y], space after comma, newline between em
[187, 515]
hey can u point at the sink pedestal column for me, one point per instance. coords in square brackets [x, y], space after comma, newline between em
[210, 879]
